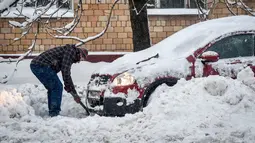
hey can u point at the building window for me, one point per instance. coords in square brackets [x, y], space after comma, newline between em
[33, 3]
[174, 7]
[173, 4]
[65, 9]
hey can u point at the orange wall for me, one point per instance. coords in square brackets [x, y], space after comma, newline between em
[119, 34]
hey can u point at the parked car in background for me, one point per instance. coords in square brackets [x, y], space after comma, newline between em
[221, 46]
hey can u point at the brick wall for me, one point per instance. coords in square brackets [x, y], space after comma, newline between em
[164, 26]
[119, 34]
[221, 10]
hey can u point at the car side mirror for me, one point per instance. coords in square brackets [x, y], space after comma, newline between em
[210, 56]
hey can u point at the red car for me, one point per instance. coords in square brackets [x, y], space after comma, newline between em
[222, 46]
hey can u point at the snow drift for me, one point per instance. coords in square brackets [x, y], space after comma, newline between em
[213, 109]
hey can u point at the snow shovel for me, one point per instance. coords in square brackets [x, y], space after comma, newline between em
[76, 96]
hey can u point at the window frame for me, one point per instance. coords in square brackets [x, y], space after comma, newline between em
[30, 9]
[173, 11]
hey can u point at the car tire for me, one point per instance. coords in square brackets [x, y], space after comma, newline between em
[151, 88]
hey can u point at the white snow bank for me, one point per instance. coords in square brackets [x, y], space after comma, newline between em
[12, 105]
[32, 96]
[213, 109]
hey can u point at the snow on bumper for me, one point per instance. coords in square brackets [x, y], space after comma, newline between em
[109, 104]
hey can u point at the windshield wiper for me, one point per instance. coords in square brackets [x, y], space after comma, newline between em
[155, 56]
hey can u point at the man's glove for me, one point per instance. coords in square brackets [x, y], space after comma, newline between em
[77, 99]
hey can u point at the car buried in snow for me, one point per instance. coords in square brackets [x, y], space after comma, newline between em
[221, 46]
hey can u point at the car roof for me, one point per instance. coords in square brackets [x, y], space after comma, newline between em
[186, 41]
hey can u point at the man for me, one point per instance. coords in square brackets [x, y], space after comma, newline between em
[46, 66]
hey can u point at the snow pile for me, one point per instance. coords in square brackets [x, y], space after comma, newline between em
[246, 76]
[12, 105]
[213, 109]
[36, 97]
[209, 109]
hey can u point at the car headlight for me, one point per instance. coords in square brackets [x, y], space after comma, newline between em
[123, 79]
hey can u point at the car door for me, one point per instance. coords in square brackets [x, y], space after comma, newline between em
[236, 52]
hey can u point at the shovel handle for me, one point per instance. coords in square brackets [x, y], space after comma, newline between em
[87, 110]
[83, 106]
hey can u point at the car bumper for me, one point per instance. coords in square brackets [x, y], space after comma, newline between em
[113, 106]
[118, 106]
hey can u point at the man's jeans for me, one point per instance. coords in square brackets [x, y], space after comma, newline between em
[51, 82]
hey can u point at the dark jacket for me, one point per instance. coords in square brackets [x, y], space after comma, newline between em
[60, 59]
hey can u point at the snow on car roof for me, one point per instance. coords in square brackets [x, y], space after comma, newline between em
[186, 41]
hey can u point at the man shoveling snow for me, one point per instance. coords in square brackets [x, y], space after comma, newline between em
[46, 66]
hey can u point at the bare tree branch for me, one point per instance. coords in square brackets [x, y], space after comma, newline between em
[54, 12]
[102, 33]
[24, 33]
[230, 5]
[247, 9]
[6, 4]
[135, 9]
[73, 25]
[66, 30]
[26, 26]
[8, 61]
[6, 78]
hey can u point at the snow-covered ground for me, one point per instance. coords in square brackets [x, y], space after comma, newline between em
[213, 109]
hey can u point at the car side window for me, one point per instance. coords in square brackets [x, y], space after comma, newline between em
[234, 46]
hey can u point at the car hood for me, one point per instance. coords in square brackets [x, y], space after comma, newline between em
[144, 72]
[151, 67]
[125, 65]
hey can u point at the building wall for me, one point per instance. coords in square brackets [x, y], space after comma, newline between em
[118, 36]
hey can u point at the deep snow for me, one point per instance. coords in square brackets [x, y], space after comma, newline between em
[213, 109]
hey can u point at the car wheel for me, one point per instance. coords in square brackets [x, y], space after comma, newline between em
[151, 88]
